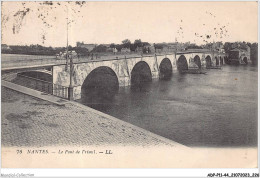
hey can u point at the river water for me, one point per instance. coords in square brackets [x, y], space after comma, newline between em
[218, 109]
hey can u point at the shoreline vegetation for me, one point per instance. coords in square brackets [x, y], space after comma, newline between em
[128, 48]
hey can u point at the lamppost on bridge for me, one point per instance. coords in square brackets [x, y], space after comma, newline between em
[70, 89]
[69, 61]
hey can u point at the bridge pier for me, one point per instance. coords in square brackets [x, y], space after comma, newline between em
[76, 92]
[124, 81]
[155, 74]
[70, 93]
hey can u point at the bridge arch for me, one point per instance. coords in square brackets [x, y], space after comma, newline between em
[226, 59]
[245, 60]
[100, 85]
[197, 61]
[217, 61]
[221, 60]
[182, 63]
[208, 62]
[140, 73]
[165, 69]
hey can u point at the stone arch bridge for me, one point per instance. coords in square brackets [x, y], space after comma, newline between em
[128, 71]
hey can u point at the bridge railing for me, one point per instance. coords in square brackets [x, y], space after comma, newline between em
[42, 85]
[60, 91]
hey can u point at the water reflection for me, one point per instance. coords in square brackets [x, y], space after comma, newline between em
[195, 110]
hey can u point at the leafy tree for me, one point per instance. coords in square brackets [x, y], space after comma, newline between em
[112, 45]
[145, 44]
[126, 43]
[100, 48]
[254, 53]
[81, 51]
[133, 47]
[119, 47]
[138, 43]
[227, 47]
[158, 46]
[31, 50]
[243, 45]
[70, 48]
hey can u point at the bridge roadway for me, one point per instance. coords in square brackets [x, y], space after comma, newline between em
[126, 69]
[37, 62]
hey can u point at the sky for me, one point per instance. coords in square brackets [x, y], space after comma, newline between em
[25, 23]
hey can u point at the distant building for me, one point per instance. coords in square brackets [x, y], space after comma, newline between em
[240, 56]
[173, 47]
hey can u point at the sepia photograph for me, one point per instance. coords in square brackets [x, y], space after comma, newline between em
[144, 84]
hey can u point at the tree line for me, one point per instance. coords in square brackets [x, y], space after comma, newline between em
[42, 50]
[125, 44]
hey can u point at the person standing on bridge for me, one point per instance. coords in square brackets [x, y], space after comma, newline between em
[114, 50]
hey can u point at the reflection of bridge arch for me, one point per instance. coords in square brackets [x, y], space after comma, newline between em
[208, 62]
[140, 73]
[182, 63]
[197, 61]
[101, 82]
[165, 69]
